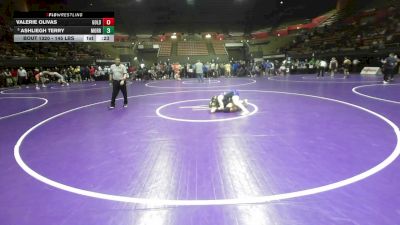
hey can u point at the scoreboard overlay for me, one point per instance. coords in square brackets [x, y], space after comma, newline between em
[41, 26]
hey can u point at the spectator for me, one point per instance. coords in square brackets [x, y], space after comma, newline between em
[92, 71]
[221, 69]
[77, 73]
[3, 79]
[268, 68]
[199, 71]
[227, 69]
[322, 67]
[356, 64]
[333, 65]
[177, 70]
[346, 66]
[169, 71]
[205, 70]
[235, 68]
[14, 76]
[213, 69]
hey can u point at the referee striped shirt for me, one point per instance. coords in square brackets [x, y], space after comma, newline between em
[118, 71]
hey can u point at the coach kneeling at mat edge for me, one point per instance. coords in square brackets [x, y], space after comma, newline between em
[118, 77]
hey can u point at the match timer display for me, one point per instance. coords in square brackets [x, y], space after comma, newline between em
[64, 26]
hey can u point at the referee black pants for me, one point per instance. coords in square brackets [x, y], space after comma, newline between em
[321, 71]
[116, 88]
[388, 73]
[22, 80]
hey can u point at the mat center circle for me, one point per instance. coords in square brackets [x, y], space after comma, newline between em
[205, 82]
[197, 110]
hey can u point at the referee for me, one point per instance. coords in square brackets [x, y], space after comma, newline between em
[118, 78]
[389, 66]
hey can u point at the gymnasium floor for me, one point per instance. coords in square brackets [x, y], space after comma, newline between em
[311, 152]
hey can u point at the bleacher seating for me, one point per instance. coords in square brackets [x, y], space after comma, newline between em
[165, 49]
[219, 48]
[192, 48]
[370, 35]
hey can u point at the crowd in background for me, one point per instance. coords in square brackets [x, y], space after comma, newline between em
[276, 67]
[10, 77]
[366, 34]
[166, 70]
[23, 76]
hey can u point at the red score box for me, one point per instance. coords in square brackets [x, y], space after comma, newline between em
[108, 21]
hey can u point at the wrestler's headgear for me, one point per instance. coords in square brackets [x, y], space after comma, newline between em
[213, 102]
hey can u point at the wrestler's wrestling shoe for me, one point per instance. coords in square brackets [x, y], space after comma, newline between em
[245, 102]
[245, 113]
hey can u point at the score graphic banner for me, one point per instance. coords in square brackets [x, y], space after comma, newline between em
[46, 14]
[108, 21]
[61, 22]
[44, 26]
[64, 38]
[64, 30]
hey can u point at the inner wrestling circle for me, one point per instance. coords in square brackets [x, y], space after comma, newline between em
[223, 83]
[207, 81]
[323, 78]
[198, 108]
